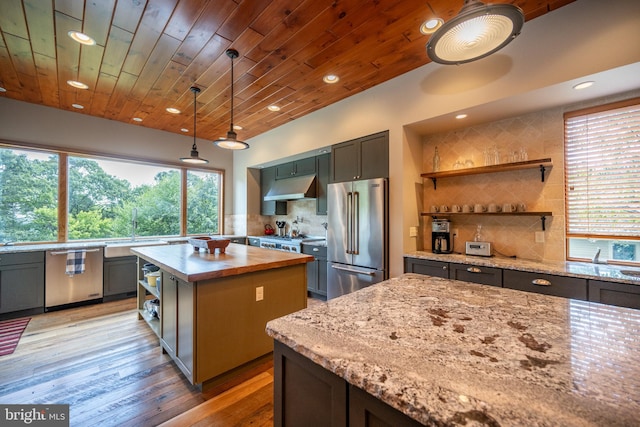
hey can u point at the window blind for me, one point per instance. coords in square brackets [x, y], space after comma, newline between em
[602, 168]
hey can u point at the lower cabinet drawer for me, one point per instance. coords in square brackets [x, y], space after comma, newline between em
[476, 274]
[560, 286]
[426, 267]
[620, 294]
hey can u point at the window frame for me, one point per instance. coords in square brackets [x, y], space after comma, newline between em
[63, 155]
[611, 238]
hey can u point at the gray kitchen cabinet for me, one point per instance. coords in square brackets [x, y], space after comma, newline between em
[362, 158]
[561, 286]
[21, 284]
[177, 320]
[119, 277]
[426, 267]
[620, 294]
[316, 270]
[323, 171]
[297, 168]
[253, 241]
[267, 178]
[476, 274]
[306, 394]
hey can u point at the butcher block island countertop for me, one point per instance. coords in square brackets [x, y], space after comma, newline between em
[214, 306]
[190, 265]
[448, 353]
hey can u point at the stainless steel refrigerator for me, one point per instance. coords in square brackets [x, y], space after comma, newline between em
[357, 235]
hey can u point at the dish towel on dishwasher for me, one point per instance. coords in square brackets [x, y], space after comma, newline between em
[75, 262]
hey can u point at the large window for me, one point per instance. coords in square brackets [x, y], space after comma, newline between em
[602, 156]
[28, 196]
[106, 198]
[116, 199]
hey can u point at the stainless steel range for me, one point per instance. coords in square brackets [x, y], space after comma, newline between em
[285, 243]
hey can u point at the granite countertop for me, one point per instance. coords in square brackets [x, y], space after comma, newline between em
[184, 262]
[446, 352]
[83, 245]
[585, 270]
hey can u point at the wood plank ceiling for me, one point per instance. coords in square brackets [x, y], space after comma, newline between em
[150, 52]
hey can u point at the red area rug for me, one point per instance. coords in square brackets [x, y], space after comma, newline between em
[10, 333]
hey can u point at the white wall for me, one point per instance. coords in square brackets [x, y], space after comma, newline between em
[50, 127]
[582, 38]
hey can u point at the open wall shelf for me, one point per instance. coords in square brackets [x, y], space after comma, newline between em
[542, 164]
[543, 215]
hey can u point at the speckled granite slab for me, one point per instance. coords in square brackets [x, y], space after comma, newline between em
[585, 270]
[452, 353]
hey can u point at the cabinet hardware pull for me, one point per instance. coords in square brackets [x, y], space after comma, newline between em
[474, 270]
[444, 267]
[315, 249]
[541, 282]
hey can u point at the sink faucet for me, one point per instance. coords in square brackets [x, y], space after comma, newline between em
[596, 258]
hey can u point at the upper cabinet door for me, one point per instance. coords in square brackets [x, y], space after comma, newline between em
[297, 168]
[362, 158]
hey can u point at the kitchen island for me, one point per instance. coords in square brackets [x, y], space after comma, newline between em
[431, 351]
[213, 307]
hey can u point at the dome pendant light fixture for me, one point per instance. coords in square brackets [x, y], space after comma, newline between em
[477, 31]
[194, 158]
[231, 141]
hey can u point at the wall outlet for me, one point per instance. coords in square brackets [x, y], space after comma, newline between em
[539, 236]
[454, 232]
[259, 293]
[413, 231]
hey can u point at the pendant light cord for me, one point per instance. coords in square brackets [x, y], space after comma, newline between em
[195, 93]
[231, 128]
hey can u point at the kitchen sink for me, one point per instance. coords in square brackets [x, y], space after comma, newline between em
[119, 249]
[632, 273]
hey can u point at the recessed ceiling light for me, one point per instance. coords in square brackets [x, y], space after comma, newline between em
[2, 89]
[273, 108]
[81, 38]
[237, 127]
[77, 84]
[583, 85]
[78, 106]
[137, 119]
[461, 116]
[185, 130]
[331, 78]
[431, 25]
[173, 110]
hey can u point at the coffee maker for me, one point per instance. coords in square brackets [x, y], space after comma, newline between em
[441, 236]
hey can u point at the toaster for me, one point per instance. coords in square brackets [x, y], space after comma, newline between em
[478, 248]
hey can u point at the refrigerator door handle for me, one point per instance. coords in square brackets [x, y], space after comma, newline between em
[353, 270]
[355, 242]
[349, 222]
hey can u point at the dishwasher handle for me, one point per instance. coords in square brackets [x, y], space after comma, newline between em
[72, 251]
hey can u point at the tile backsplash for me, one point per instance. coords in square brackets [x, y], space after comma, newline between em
[538, 134]
[305, 212]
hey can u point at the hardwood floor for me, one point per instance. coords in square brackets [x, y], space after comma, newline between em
[108, 366]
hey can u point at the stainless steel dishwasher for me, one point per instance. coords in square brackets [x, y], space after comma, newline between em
[62, 288]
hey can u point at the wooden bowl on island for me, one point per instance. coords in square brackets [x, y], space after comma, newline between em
[209, 243]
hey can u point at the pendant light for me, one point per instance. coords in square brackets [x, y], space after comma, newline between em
[194, 158]
[231, 141]
[477, 31]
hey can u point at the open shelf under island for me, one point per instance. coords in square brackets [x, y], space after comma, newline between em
[214, 306]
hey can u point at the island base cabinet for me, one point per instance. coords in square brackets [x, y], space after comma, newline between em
[177, 322]
[367, 411]
[306, 394]
[619, 294]
[230, 318]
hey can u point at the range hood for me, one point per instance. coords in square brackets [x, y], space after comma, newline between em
[299, 187]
